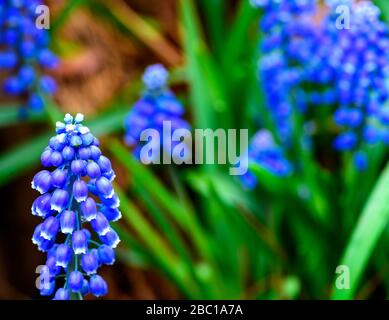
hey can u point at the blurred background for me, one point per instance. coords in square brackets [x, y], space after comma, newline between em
[195, 231]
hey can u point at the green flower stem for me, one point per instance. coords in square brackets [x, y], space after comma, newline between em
[312, 175]
[10, 115]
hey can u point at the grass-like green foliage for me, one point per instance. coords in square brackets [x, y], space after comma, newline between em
[197, 225]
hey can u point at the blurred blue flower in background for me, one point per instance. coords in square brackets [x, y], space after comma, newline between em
[264, 152]
[287, 47]
[334, 64]
[67, 203]
[360, 160]
[358, 63]
[24, 54]
[156, 106]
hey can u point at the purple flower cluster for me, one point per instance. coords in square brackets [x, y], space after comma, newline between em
[358, 68]
[341, 63]
[156, 106]
[288, 45]
[76, 198]
[24, 54]
[264, 152]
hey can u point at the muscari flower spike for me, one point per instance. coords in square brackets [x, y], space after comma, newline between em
[264, 152]
[157, 105]
[343, 67]
[358, 65]
[24, 55]
[77, 204]
[288, 44]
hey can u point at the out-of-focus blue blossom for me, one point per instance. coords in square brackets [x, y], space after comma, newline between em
[346, 141]
[334, 4]
[357, 62]
[360, 160]
[75, 197]
[157, 105]
[289, 41]
[342, 63]
[264, 152]
[292, 6]
[24, 54]
[155, 78]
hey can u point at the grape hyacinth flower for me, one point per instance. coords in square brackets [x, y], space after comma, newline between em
[77, 204]
[24, 55]
[344, 67]
[288, 45]
[157, 106]
[358, 63]
[264, 152]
